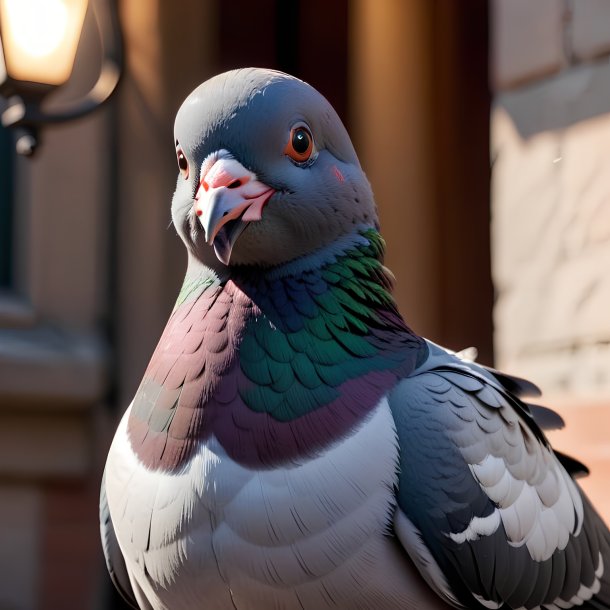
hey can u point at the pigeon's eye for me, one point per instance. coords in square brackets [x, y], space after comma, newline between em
[300, 144]
[183, 164]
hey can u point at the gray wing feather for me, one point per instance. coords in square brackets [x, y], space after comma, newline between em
[494, 506]
[112, 553]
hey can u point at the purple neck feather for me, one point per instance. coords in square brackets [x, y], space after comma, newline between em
[196, 384]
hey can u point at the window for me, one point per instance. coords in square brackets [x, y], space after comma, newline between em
[6, 200]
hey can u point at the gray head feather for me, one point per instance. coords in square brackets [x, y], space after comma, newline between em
[250, 113]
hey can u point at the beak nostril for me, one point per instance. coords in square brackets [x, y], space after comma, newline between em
[205, 185]
[235, 184]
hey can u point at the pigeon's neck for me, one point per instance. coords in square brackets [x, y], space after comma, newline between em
[322, 344]
[363, 246]
[276, 364]
[347, 280]
[342, 248]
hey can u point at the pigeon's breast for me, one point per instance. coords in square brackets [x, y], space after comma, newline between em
[249, 538]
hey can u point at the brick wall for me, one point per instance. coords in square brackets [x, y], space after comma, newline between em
[551, 192]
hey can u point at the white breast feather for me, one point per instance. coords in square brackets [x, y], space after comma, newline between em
[217, 523]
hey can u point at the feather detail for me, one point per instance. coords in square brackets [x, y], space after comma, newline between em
[293, 360]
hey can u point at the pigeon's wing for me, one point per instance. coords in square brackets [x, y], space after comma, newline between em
[485, 508]
[112, 553]
[543, 417]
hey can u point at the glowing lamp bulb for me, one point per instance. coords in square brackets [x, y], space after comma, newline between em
[38, 25]
[40, 38]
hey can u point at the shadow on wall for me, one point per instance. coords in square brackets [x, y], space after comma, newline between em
[560, 102]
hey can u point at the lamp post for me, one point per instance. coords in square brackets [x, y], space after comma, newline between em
[38, 43]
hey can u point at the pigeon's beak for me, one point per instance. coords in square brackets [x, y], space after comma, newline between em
[228, 197]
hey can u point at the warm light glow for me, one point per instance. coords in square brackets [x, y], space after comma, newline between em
[40, 38]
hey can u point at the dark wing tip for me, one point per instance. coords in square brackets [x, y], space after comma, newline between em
[516, 385]
[575, 468]
[546, 418]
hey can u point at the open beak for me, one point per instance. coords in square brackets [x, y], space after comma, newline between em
[228, 198]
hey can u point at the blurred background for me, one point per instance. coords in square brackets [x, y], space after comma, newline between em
[484, 128]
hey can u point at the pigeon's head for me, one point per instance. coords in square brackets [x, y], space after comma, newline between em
[267, 171]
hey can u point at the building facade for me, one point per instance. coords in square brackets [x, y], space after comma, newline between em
[91, 265]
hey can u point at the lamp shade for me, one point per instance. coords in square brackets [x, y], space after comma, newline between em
[39, 39]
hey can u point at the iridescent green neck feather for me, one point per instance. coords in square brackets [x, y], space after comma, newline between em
[275, 363]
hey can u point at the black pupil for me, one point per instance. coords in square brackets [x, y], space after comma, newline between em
[182, 164]
[300, 141]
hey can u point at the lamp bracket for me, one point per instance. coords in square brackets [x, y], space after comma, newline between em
[24, 111]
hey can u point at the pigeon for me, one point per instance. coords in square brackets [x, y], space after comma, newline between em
[293, 442]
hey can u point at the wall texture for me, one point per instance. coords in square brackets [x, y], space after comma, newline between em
[551, 192]
[551, 212]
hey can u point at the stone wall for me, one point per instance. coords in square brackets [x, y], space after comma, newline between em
[550, 122]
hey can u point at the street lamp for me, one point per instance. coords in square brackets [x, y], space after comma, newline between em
[38, 43]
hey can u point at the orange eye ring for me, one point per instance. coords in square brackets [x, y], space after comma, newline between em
[183, 163]
[300, 144]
